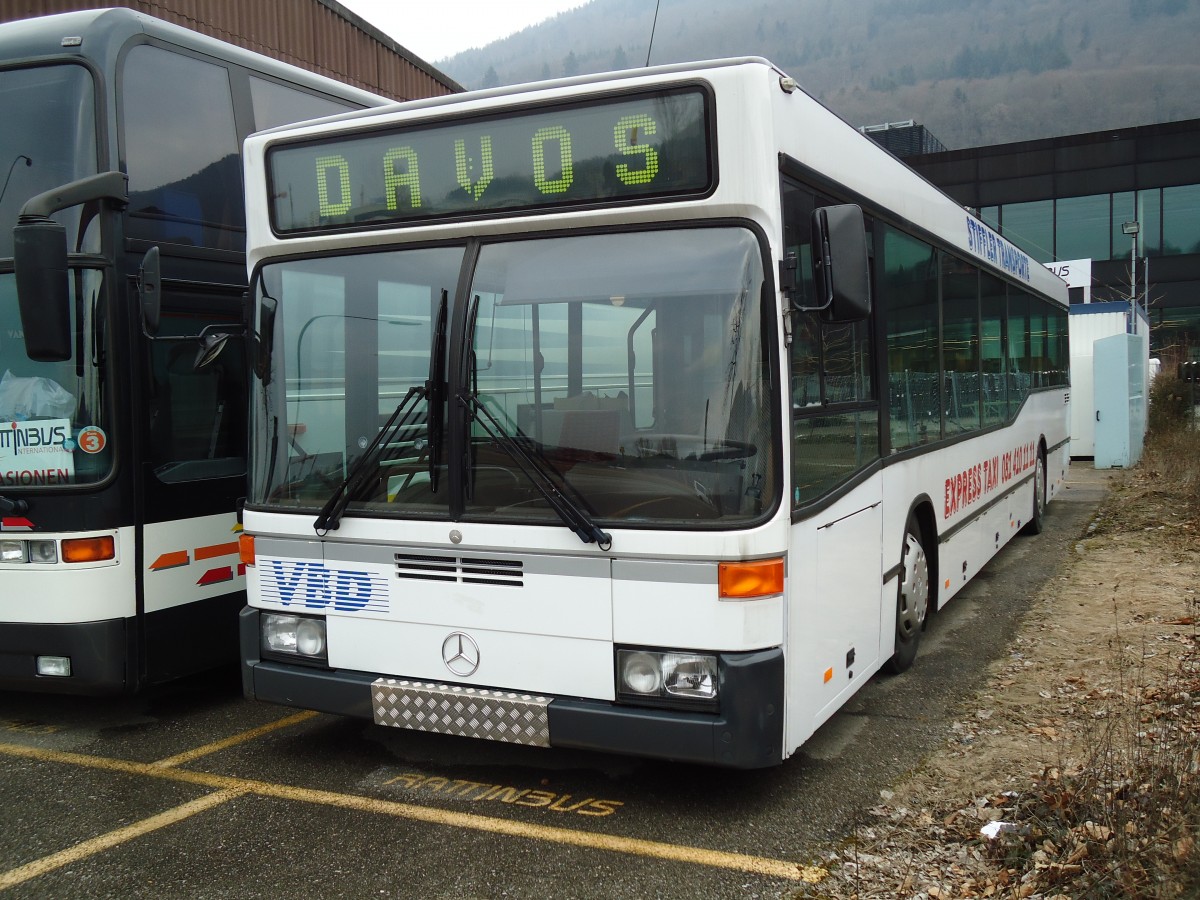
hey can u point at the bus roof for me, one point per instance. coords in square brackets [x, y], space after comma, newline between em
[99, 34]
[817, 137]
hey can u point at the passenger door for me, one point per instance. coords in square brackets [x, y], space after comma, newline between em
[193, 474]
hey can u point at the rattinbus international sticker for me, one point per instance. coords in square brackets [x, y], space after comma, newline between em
[36, 453]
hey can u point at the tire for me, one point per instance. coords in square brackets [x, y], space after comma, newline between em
[912, 600]
[1037, 518]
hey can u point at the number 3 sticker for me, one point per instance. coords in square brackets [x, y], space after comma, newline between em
[91, 439]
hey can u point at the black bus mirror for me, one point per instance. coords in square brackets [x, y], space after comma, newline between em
[40, 262]
[841, 268]
[150, 292]
[212, 344]
[40, 251]
[265, 339]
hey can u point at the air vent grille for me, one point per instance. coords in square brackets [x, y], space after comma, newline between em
[464, 569]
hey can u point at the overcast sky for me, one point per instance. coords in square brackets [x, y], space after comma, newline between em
[437, 30]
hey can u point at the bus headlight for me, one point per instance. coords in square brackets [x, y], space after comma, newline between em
[12, 551]
[672, 677]
[29, 551]
[43, 552]
[297, 636]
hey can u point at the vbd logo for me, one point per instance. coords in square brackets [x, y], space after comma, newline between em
[315, 585]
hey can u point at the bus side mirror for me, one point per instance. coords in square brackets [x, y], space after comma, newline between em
[40, 251]
[841, 267]
[265, 339]
[212, 345]
[40, 262]
[150, 292]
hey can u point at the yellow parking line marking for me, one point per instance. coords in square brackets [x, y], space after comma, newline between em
[189, 755]
[757, 865]
[107, 841]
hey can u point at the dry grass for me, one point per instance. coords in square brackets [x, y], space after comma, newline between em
[1088, 764]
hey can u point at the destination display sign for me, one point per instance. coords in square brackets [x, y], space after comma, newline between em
[635, 147]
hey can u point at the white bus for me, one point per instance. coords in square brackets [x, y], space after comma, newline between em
[649, 413]
[123, 241]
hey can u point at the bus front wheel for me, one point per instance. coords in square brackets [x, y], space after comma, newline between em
[912, 600]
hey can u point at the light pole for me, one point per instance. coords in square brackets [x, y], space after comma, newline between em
[1132, 229]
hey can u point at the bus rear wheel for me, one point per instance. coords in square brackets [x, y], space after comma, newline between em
[912, 600]
[1037, 517]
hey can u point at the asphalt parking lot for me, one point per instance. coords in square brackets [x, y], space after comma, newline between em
[194, 791]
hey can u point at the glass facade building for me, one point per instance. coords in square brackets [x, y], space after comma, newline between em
[1072, 197]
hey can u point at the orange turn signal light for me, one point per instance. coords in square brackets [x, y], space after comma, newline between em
[751, 579]
[246, 549]
[93, 549]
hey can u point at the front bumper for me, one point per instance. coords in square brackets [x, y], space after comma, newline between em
[98, 652]
[746, 734]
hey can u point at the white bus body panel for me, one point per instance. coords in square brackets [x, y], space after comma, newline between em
[184, 561]
[67, 593]
[553, 632]
[676, 605]
[834, 629]
[187, 560]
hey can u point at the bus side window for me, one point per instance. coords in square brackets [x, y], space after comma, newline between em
[197, 415]
[835, 419]
[277, 104]
[961, 384]
[181, 147]
[909, 292]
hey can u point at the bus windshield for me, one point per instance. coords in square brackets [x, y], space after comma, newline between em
[40, 147]
[629, 371]
[53, 419]
[52, 414]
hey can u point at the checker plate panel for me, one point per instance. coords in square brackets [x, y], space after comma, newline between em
[467, 712]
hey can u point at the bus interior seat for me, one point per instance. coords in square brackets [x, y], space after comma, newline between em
[588, 426]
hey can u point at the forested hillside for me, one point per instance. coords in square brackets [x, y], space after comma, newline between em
[972, 71]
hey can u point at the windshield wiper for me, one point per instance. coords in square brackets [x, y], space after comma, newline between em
[572, 514]
[16, 507]
[362, 470]
[435, 391]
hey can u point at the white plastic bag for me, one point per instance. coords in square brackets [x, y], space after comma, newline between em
[33, 398]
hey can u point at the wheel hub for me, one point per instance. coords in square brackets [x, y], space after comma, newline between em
[914, 588]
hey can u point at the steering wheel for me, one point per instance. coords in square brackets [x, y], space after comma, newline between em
[729, 450]
[703, 510]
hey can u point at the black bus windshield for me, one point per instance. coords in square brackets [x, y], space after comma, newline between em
[53, 421]
[48, 140]
[633, 368]
[53, 428]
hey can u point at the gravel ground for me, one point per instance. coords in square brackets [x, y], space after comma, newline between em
[1073, 773]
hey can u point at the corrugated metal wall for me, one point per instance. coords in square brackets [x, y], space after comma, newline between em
[318, 35]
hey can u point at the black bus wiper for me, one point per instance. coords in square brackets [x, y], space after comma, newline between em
[435, 391]
[362, 470]
[16, 507]
[572, 514]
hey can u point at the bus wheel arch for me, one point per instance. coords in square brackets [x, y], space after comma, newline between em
[915, 592]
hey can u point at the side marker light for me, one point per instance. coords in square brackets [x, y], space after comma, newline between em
[246, 549]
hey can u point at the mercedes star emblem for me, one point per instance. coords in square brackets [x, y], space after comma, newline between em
[460, 654]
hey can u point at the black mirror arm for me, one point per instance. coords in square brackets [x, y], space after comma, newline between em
[823, 265]
[112, 186]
